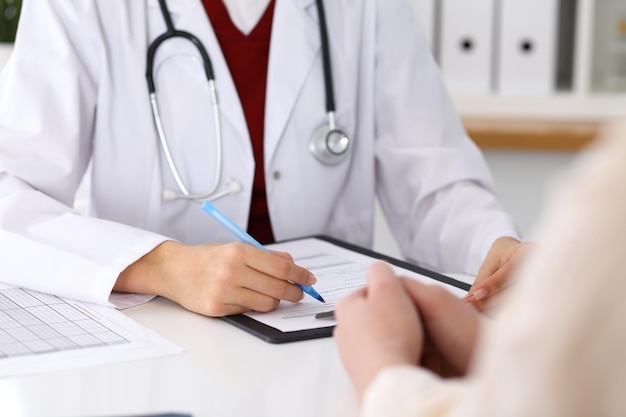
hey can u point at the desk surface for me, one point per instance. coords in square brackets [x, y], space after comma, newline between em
[222, 372]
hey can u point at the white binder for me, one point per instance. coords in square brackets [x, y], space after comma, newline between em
[424, 10]
[466, 45]
[527, 53]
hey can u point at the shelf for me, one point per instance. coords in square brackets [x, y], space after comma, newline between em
[563, 122]
[535, 135]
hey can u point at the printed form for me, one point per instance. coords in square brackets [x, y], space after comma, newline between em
[41, 332]
[339, 271]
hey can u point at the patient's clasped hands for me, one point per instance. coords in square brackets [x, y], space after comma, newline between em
[399, 321]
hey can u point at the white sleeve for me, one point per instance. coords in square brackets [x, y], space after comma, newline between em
[557, 347]
[48, 94]
[434, 185]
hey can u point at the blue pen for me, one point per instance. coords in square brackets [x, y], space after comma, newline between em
[243, 236]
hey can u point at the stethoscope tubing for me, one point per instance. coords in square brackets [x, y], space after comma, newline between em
[328, 78]
[171, 33]
[325, 155]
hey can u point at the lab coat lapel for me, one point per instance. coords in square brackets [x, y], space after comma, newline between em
[295, 44]
[190, 16]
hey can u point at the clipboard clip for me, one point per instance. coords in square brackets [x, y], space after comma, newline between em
[326, 315]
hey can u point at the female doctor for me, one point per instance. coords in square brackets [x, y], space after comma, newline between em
[320, 111]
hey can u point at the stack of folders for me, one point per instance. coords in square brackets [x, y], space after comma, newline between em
[508, 47]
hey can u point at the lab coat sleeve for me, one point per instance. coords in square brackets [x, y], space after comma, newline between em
[556, 348]
[434, 185]
[48, 95]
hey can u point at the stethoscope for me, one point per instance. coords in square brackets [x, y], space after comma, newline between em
[329, 143]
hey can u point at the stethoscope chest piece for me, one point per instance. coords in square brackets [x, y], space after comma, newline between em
[330, 146]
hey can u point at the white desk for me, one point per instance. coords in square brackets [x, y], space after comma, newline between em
[223, 371]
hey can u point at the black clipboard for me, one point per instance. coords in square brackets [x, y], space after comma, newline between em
[273, 335]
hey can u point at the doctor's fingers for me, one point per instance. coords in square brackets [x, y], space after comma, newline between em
[227, 258]
[499, 265]
[494, 286]
[279, 265]
[246, 291]
[237, 284]
[251, 300]
[484, 289]
[270, 286]
[242, 301]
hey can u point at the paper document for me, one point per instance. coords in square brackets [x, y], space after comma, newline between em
[339, 271]
[41, 332]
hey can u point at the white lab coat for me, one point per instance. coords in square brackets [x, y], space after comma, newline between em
[75, 91]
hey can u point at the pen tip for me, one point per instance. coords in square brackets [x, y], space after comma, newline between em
[319, 297]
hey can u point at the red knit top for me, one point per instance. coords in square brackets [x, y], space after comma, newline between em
[247, 58]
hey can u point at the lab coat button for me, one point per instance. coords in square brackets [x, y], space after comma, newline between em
[276, 175]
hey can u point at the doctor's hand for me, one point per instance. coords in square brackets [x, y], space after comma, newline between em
[216, 279]
[377, 327]
[493, 277]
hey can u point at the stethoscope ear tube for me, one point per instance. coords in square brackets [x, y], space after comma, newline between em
[171, 33]
[329, 144]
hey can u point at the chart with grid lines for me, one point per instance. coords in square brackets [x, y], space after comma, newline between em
[33, 323]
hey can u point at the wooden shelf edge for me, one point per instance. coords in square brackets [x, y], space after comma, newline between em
[532, 135]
